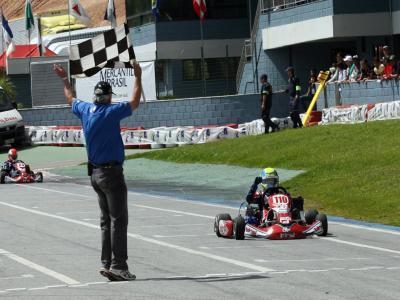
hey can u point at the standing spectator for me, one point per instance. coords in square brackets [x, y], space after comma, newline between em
[266, 104]
[311, 91]
[379, 68]
[348, 60]
[365, 71]
[385, 53]
[294, 90]
[341, 69]
[105, 149]
[354, 71]
[390, 70]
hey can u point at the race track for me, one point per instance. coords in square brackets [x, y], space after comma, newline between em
[50, 247]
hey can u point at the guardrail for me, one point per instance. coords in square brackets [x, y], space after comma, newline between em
[268, 5]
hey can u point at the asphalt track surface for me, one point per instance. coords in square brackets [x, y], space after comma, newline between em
[50, 248]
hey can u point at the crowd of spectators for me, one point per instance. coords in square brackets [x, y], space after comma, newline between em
[349, 68]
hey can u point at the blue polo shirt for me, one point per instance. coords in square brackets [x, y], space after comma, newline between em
[101, 127]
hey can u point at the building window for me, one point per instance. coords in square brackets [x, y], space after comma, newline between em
[138, 12]
[214, 68]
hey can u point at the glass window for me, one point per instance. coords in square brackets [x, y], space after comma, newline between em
[214, 68]
[5, 103]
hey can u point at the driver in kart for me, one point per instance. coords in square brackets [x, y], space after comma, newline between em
[257, 198]
[8, 166]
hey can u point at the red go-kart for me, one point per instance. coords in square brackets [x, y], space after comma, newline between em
[21, 174]
[279, 222]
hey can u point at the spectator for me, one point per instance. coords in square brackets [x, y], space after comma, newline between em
[354, 70]
[365, 70]
[311, 91]
[348, 60]
[389, 70]
[340, 72]
[379, 68]
[294, 90]
[266, 104]
[385, 53]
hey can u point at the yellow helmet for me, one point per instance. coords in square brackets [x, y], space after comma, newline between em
[270, 178]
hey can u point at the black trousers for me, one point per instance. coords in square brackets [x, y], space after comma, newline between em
[295, 116]
[110, 186]
[265, 115]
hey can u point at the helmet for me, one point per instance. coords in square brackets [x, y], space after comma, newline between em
[270, 178]
[13, 153]
[103, 88]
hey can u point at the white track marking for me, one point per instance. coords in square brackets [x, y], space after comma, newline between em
[366, 228]
[182, 235]
[38, 268]
[171, 225]
[16, 289]
[311, 259]
[150, 240]
[335, 240]
[174, 211]
[18, 277]
[387, 231]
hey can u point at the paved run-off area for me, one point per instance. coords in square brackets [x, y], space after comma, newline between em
[50, 246]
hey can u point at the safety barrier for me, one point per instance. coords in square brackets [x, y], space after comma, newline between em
[68, 136]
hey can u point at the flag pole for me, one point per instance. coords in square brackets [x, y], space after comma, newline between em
[202, 59]
[69, 21]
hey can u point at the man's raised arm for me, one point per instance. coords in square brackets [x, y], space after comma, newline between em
[69, 94]
[137, 91]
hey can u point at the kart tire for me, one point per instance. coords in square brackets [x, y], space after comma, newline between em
[324, 220]
[2, 177]
[218, 218]
[39, 177]
[311, 215]
[239, 225]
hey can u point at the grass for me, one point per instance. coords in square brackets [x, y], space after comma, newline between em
[351, 170]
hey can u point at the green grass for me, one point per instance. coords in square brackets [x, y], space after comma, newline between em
[351, 170]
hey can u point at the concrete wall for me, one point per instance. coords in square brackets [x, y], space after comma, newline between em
[369, 92]
[187, 112]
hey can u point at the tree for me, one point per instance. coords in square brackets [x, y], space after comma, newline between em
[7, 85]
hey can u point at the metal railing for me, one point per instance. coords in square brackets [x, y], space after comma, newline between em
[268, 5]
[248, 47]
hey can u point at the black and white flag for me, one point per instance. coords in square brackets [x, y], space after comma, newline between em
[111, 49]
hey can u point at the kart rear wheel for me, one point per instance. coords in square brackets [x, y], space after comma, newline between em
[39, 177]
[324, 220]
[219, 217]
[311, 215]
[239, 225]
[2, 177]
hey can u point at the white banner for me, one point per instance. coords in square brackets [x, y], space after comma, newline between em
[345, 115]
[122, 82]
[385, 111]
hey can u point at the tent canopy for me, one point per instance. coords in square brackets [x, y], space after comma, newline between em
[24, 51]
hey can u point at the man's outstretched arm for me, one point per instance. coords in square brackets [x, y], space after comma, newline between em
[69, 94]
[137, 92]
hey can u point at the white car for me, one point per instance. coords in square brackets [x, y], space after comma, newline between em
[12, 130]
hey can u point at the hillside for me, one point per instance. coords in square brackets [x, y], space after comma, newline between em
[14, 9]
[351, 170]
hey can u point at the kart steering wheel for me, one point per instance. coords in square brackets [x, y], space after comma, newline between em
[280, 188]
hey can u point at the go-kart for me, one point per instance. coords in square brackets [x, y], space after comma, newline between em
[21, 174]
[279, 222]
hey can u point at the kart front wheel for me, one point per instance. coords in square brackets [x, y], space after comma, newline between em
[239, 227]
[219, 217]
[324, 220]
[39, 177]
[311, 215]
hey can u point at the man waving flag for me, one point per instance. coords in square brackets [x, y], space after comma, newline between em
[76, 10]
[200, 7]
[8, 35]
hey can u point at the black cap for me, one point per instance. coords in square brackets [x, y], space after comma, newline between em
[103, 88]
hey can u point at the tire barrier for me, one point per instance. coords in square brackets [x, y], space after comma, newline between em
[385, 111]
[345, 115]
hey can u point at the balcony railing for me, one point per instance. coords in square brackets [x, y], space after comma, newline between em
[271, 5]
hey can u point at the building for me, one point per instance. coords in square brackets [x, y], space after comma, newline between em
[173, 41]
[307, 34]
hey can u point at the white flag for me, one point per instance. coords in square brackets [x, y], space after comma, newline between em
[76, 10]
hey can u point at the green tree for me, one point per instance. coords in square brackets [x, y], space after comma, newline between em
[7, 86]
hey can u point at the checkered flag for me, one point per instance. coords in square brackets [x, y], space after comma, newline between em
[111, 49]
